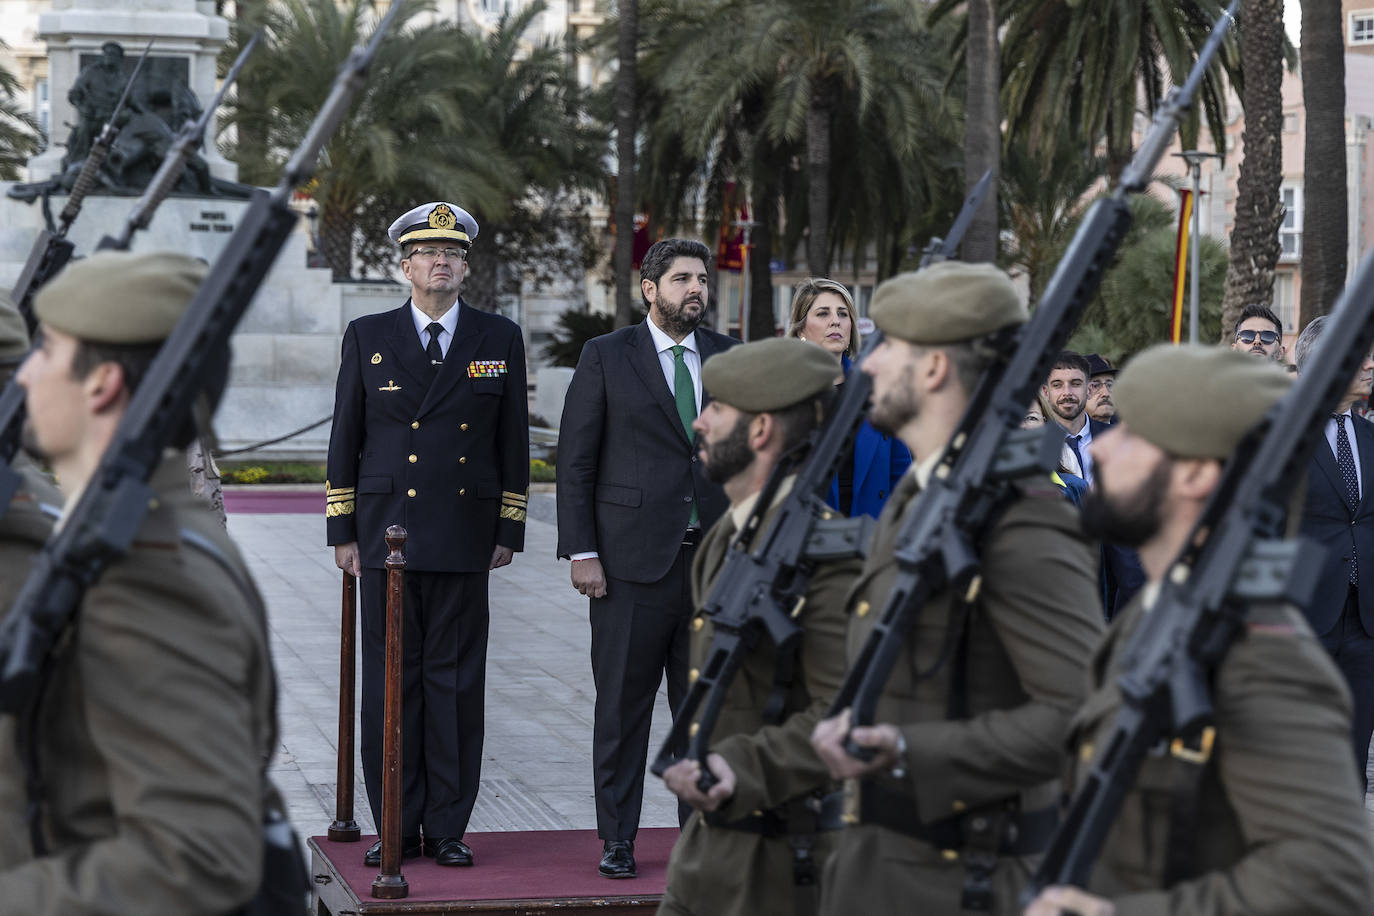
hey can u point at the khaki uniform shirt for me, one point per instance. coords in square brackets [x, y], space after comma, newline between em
[1277, 820]
[717, 871]
[153, 734]
[1030, 632]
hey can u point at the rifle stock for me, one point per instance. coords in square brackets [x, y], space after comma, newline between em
[101, 525]
[937, 546]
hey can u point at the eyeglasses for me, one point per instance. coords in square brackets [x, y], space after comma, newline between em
[1099, 384]
[429, 254]
[1265, 337]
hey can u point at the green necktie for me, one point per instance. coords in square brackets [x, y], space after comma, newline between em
[685, 395]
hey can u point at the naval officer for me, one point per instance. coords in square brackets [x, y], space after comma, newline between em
[431, 432]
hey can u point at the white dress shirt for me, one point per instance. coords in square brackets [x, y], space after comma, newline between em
[1350, 422]
[422, 321]
[1085, 438]
[664, 345]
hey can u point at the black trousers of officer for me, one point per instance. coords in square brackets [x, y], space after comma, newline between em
[639, 633]
[1352, 649]
[443, 679]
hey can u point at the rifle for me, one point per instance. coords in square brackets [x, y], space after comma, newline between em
[937, 546]
[102, 524]
[51, 251]
[761, 591]
[1235, 554]
[174, 163]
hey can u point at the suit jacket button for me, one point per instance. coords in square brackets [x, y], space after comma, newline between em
[686, 499]
[414, 458]
[463, 460]
[410, 493]
[414, 424]
[462, 491]
[463, 427]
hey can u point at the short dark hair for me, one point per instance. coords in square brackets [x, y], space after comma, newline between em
[800, 419]
[1258, 311]
[134, 361]
[971, 358]
[661, 256]
[1068, 359]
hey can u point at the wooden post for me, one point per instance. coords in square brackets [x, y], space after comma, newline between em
[390, 884]
[345, 828]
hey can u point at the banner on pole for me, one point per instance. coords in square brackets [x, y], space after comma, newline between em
[1185, 220]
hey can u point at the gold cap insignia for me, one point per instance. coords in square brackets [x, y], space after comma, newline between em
[441, 217]
[376, 359]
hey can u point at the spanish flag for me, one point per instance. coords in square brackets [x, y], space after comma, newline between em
[1185, 221]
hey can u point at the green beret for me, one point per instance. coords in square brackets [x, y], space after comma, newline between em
[1195, 401]
[114, 297]
[947, 303]
[14, 336]
[770, 374]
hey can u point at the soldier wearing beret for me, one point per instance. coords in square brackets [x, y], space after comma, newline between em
[157, 718]
[1262, 816]
[753, 847]
[964, 780]
[431, 432]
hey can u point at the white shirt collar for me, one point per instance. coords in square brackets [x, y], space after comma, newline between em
[663, 342]
[449, 320]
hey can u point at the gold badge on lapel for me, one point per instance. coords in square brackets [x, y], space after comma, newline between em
[390, 386]
[376, 359]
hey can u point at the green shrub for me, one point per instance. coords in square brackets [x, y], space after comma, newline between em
[541, 471]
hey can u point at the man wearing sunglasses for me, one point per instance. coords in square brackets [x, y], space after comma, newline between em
[431, 432]
[1259, 333]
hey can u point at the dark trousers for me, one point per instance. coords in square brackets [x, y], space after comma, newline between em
[444, 634]
[1353, 651]
[639, 633]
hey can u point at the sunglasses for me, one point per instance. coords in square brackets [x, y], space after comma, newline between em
[1265, 337]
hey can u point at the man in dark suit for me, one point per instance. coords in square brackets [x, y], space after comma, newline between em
[431, 432]
[632, 503]
[1067, 391]
[1339, 514]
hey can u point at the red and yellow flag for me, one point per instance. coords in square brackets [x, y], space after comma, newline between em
[1185, 221]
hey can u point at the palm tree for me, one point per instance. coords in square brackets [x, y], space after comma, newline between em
[20, 137]
[1259, 210]
[626, 134]
[1324, 208]
[982, 126]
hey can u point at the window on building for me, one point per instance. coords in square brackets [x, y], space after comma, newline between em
[1290, 233]
[1284, 304]
[1362, 27]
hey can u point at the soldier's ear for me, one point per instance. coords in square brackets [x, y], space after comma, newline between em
[105, 387]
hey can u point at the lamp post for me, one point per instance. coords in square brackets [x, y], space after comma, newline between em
[744, 277]
[1194, 158]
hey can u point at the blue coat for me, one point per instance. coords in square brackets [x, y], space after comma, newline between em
[879, 462]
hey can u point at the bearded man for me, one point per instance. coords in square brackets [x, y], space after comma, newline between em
[632, 504]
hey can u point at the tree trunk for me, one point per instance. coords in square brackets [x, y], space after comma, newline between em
[761, 319]
[818, 183]
[982, 128]
[1324, 204]
[1259, 209]
[626, 129]
[336, 239]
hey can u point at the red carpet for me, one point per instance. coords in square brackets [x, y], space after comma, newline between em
[267, 501]
[519, 865]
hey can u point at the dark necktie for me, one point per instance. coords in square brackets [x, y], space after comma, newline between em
[1345, 460]
[436, 354]
[684, 394]
[1073, 447]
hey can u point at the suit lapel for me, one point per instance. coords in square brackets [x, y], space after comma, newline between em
[644, 360]
[865, 444]
[1364, 441]
[406, 349]
[467, 341]
[1327, 462]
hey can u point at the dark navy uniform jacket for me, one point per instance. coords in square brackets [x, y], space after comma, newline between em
[445, 456]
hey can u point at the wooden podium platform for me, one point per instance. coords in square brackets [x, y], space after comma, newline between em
[525, 873]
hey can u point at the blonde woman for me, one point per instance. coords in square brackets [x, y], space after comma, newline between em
[823, 312]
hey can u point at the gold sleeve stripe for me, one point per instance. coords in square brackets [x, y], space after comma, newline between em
[334, 510]
[341, 491]
[515, 515]
[514, 499]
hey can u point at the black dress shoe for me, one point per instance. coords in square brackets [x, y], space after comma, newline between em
[410, 848]
[448, 850]
[618, 860]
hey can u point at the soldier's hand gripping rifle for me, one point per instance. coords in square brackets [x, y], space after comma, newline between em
[1235, 554]
[937, 548]
[102, 524]
[51, 251]
[762, 586]
[174, 163]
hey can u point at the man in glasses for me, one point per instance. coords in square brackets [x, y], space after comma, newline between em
[1260, 333]
[431, 432]
[1101, 378]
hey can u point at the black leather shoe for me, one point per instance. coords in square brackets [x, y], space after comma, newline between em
[410, 848]
[618, 860]
[448, 850]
